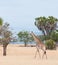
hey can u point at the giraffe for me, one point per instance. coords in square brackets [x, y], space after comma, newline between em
[39, 45]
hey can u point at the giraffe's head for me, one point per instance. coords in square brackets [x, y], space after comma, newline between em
[32, 33]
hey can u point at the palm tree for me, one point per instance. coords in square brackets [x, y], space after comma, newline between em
[51, 24]
[46, 25]
[40, 23]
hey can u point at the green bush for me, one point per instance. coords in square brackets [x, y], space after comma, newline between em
[50, 44]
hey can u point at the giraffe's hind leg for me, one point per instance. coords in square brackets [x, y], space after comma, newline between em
[44, 54]
[44, 50]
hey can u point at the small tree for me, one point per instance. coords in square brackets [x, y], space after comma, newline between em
[25, 37]
[50, 44]
[5, 36]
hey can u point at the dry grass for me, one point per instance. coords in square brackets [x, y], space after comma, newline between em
[25, 56]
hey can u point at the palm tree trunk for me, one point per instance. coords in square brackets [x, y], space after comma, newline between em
[44, 32]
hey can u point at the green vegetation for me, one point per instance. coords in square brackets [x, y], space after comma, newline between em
[50, 44]
[54, 36]
[46, 25]
[25, 37]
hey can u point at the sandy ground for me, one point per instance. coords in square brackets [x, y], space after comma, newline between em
[25, 56]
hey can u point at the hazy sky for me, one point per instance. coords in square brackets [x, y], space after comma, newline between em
[21, 14]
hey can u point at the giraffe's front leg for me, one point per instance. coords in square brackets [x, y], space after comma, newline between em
[35, 53]
[38, 52]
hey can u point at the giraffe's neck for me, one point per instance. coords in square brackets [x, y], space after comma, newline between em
[36, 38]
[33, 36]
